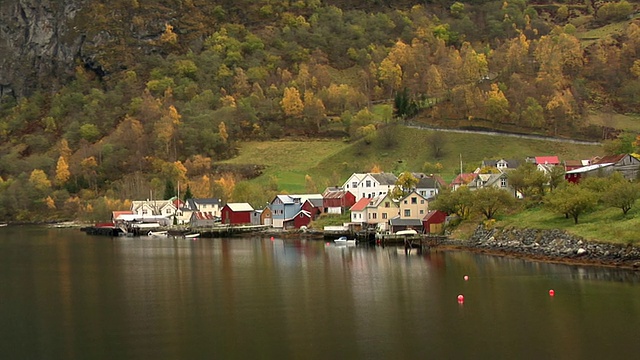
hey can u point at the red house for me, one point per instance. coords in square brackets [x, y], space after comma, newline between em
[302, 218]
[313, 207]
[237, 213]
[337, 200]
[433, 222]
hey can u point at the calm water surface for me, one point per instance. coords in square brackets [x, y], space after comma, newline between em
[67, 295]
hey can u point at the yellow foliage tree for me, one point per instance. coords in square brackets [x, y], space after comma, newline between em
[62, 172]
[227, 184]
[291, 103]
[376, 169]
[39, 180]
[168, 36]
[50, 203]
[222, 130]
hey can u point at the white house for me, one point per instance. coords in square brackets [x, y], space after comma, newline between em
[370, 185]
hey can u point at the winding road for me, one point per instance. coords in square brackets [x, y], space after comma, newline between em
[494, 133]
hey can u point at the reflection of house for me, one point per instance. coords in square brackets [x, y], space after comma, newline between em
[433, 222]
[237, 213]
[337, 200]
[413, 206]
[370, 185]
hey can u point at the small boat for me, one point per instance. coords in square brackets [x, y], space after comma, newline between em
[342, 240]
[3, 225]
[191, 236]
[158, 233]
[408, 232]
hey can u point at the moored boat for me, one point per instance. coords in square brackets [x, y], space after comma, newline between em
[344, 241]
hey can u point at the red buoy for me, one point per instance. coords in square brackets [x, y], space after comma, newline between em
[466, 278]
[551, 292]
[460, 298]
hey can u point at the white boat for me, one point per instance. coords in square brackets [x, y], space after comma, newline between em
[408, 232]
[3, 225]
[158, 233]
[342, 240]
[191, 236]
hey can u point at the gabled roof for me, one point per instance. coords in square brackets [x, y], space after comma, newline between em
[610, 159]
[431, 214]
[334, 193]
[412, 194]
[315, 202]
[511, 163]
[376, 201]
[116, 214]
[240, 206]
[553, 160]
[360, 204]
[385, 178]
[464, 178]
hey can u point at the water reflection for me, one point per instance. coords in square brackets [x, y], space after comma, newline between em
[68, 295]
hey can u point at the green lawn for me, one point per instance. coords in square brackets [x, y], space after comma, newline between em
[330, 162]
[605, 224]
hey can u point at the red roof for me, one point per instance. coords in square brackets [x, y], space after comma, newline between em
[361, 204]
[610, 159]
[463, 179]
[551, 160]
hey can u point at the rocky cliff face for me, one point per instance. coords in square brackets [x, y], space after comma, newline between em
[37, 44]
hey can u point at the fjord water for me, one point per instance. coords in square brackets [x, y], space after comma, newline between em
[67, 295]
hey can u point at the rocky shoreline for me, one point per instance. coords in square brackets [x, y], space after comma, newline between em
[549, 246]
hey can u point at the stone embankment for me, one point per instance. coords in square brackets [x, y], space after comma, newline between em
[551, 245]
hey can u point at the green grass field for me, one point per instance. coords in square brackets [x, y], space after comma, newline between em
[604, 224]
[331, 162]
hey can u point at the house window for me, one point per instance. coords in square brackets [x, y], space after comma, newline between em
[423, 193]
[405, 201]
[375, 215]
[407, 212]
[368, 183]
[387, 204]
[422, 202]
[144, 212]
[421, 212]
[432, 192]
[354, 184]
[503, 182]
[414, 200]
[384, 215]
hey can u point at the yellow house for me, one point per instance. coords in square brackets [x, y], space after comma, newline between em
[413, 206]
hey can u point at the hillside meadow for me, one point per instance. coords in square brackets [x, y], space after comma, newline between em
[329, 162]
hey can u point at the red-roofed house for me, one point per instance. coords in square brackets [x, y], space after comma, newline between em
[115, 215]
[359, 210]
[302, 218]
[462, 180]
[202, 218]
[547, 160]
[433, 222]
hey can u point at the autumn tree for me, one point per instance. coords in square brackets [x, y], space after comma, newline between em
[457, 202]
[62, 172]
[571, 200]
[490, 200]
[291, 102]
[497, 105]
[404, 185]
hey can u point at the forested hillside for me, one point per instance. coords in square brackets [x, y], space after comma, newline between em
[130, 97]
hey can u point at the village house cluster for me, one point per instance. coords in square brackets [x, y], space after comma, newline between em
[367, 197]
